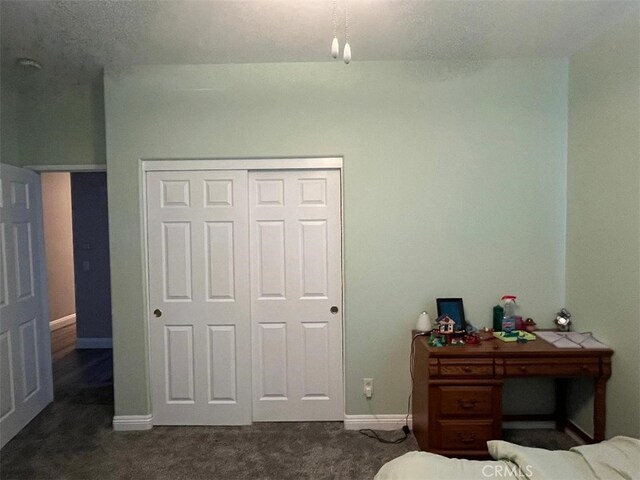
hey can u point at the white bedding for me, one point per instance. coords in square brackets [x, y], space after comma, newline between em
[429, 466]
[615, 459]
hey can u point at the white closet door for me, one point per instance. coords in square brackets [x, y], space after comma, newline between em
[25, 349]
[200, 344]
[295, 281]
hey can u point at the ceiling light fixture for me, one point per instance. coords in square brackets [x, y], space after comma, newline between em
[335, 44]
[347, 48]
[29, 63]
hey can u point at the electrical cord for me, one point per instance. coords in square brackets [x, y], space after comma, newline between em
[367, 432]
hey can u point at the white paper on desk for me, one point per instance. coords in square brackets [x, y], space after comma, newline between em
[566, 343]
[576, 336]
[571, 340]
[593, 343]
[549, 336]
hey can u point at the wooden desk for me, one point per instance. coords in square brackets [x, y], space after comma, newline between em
[457, 390]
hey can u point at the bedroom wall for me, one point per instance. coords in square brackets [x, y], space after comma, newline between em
[62, 126]
[9, 151]
[603, 225]
[454, 185]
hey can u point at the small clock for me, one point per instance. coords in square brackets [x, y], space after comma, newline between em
[563, 320]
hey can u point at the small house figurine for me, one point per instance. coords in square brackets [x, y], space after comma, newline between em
[446, 324]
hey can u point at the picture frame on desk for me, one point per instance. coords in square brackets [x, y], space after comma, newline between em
[454, 309]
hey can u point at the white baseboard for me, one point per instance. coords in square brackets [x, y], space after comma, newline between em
[396, 422]
[128, 423]
[375, 422]
[579, 434]
[97, 342]
[62, 322]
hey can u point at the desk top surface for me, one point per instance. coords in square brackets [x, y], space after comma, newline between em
[498, 348]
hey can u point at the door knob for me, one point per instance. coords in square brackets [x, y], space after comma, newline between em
[334, 309]
[157, 312]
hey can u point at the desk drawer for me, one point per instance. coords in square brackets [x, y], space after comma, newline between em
[466, 400]
[465, 434]
[553, 367]
[466, 368]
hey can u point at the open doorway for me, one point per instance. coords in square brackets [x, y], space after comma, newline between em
[58, 233]
[77, 257]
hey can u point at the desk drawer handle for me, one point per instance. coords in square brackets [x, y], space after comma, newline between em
[466, 369]
[471, 438]
[585, 368]
[523, 368]
[467, 404]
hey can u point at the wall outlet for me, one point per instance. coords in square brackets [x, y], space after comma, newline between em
[367, 385]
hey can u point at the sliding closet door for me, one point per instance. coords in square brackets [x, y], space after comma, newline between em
[296, 295]
[199, 305]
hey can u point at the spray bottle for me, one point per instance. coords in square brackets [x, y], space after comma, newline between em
[509, 317]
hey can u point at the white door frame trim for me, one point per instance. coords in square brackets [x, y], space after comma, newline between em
[97, 167]
[263, 163]
[158, 165]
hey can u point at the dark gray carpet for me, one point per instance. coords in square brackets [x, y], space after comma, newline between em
[72, 439]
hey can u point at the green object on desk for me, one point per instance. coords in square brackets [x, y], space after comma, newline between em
[513, 336]
[498, 313]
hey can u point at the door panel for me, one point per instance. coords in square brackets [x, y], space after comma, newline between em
[29, 355]
[23, 261]
[220, 260]
[3, 267]
[25, 350]
[296, 278]
[200, 344]
[272, 345]
[7, 393]
[316, 360]
[314, 268]
[222, 363]
[176, 247]
[271, 259]
[180, 358]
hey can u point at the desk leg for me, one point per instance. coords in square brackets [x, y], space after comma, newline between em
[599, 409]
[561, 404]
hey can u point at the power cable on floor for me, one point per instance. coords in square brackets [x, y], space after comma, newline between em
[405, 429]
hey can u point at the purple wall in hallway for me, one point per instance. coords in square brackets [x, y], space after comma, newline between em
[91, 254]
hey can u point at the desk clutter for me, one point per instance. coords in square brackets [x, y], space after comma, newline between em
[452, 328]
[515, 336]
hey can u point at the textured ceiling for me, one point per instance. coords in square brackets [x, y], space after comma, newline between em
[74, 39]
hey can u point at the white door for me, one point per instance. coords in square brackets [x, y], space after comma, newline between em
[296, 295]
[25, 349]
[200, 337]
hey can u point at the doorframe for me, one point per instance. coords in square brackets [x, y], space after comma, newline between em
[97, 167]
[250, 164]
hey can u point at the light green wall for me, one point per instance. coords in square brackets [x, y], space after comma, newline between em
[454, 185]
[9, 150]
[62, 127]
[603, 225]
